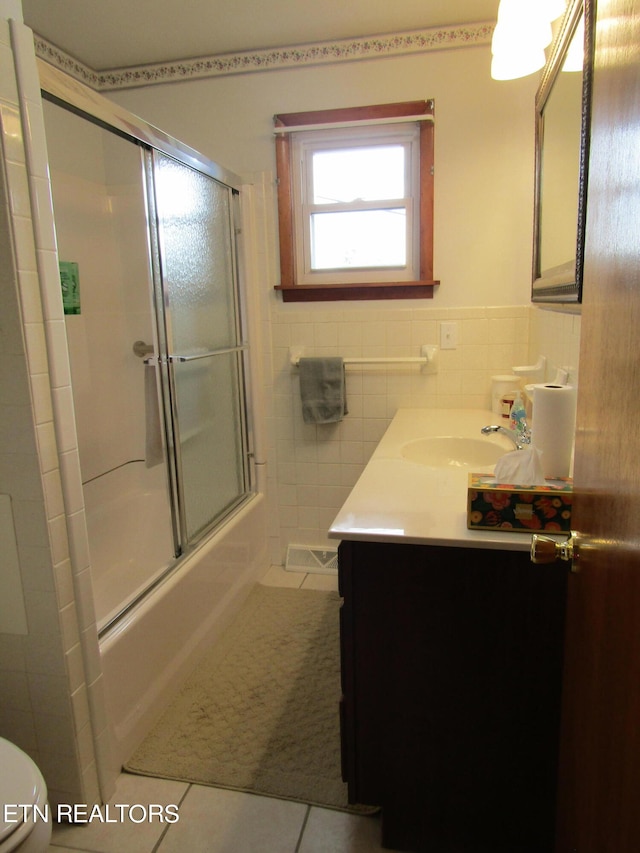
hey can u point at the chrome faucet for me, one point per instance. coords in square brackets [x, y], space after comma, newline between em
[520, 440]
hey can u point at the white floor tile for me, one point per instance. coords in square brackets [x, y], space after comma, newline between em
[220, 821]
[128, 836]
[213, 820]
[329, 831]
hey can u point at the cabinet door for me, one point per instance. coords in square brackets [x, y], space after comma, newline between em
[347, 708]
[452, 678]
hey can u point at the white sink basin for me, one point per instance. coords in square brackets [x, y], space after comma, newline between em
[447, 450]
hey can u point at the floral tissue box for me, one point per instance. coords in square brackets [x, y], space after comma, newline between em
[502, 506]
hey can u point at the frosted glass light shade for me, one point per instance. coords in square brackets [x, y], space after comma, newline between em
[513, 65]
[522, 32]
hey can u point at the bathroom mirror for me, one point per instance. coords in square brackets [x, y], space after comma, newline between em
[562, 150]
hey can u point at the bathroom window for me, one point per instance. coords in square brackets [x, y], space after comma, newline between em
[355, 202]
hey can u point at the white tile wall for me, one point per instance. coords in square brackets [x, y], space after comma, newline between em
[318, 465]
[556, 335]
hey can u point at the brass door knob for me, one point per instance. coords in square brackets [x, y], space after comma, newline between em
[545, 549]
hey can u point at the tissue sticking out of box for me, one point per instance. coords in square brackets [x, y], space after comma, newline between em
[523, 467]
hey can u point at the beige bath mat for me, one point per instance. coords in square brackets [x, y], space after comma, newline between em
[260, 712]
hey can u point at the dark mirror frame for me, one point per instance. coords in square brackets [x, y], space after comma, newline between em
[547, 287]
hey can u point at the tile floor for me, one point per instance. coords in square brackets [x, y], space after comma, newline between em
[214, 820]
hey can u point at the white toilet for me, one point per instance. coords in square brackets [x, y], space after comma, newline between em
[21, 783]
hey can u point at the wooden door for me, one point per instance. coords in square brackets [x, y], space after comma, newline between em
[599, 779]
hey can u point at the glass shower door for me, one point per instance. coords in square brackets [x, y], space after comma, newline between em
[203, 340]
[102, 229]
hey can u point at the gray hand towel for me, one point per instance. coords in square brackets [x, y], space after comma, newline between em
[322, 390]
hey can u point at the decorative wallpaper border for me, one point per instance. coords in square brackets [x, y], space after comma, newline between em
[61, 60]
[273, 59]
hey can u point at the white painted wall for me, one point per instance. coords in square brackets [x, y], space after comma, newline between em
[484, 148]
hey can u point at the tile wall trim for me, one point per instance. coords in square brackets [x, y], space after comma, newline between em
[272, 59]
[72, 773]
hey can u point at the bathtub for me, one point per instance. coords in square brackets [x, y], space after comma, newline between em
[149, 652]
[133, 501]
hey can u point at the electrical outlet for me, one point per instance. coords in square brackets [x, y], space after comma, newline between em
[448, 335]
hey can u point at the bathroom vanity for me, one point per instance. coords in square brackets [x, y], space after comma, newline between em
[451, 644]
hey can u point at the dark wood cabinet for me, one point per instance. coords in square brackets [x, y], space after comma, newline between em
[451, 678]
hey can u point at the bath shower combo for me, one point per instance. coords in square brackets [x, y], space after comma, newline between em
[160, 362]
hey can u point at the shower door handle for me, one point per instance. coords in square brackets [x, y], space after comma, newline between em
[140, 348]
[182, 358]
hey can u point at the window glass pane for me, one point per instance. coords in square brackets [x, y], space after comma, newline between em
[367, 238]
[359, 173]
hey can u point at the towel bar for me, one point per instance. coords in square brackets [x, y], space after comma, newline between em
[427, 357]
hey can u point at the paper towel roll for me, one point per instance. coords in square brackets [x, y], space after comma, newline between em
[553, 427]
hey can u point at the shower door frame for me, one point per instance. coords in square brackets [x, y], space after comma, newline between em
[77, 98]
[167, 358]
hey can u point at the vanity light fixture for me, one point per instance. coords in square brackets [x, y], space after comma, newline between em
[522, 32]
[519, 63]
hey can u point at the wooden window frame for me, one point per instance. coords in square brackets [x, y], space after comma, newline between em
[289, 287]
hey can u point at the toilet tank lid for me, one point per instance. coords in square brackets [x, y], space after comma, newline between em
[20, 782]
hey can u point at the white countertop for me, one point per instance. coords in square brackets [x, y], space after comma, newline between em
[397, 500]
